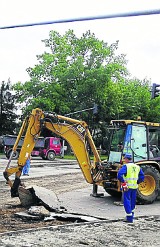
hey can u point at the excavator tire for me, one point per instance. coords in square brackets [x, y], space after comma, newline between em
[147, 191]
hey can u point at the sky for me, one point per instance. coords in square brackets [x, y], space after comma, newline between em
[139, 37]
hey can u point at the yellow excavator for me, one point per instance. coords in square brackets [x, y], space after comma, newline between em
[75, 132]
[136, 137]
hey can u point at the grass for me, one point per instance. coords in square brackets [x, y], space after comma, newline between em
[72, 157]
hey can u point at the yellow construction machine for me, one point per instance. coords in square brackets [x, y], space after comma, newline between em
[134, 137]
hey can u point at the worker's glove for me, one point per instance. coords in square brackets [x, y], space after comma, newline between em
[124, 186]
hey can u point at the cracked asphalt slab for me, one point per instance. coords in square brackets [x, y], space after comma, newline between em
[73, 193]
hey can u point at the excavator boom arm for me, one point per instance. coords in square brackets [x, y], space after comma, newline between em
[75, 132]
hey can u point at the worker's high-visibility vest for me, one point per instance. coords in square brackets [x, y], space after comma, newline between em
[132, 175]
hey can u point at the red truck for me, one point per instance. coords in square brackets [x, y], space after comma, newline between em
[47, 148]
[52, 147]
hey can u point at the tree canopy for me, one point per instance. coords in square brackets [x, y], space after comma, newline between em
[74, 73]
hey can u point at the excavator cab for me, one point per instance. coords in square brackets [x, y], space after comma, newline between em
[130, 138]
[142, 140]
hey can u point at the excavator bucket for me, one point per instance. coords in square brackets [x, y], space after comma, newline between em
[35, 195]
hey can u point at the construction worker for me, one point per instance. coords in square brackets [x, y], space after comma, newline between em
[26, 168]
[130, 175]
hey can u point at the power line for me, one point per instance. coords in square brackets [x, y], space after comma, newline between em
[88, 18]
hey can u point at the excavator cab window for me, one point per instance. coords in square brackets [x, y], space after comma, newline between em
[136, 141]
[154, 142]
[117, 141]
[130, 138]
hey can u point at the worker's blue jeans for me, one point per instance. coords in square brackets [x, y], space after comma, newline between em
[26, 168]
[129, 201]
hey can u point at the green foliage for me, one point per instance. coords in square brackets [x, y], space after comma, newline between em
[7, 109]
[153, 114]
[74, 73]
[134, 99]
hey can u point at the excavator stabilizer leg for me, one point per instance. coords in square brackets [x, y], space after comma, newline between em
[95, 189]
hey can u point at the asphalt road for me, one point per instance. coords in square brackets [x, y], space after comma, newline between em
[79, 200]
[40, 168]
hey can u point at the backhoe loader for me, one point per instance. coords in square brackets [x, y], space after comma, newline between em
[135, 137]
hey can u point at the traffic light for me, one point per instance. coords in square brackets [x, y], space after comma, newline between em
[95, 109]
[155, 90]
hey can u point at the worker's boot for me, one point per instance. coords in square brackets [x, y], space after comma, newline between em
[129, 219]
[14, 188]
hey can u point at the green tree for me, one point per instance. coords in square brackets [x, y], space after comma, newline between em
[8, 108]
[153, 114]
[134, 99]
[73, 75]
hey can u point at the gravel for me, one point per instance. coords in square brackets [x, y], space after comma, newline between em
[144, 232]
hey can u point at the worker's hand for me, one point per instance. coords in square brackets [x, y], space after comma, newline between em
[124, 186]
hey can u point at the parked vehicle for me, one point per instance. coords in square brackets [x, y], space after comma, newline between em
[52, 147]
[47, 148]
